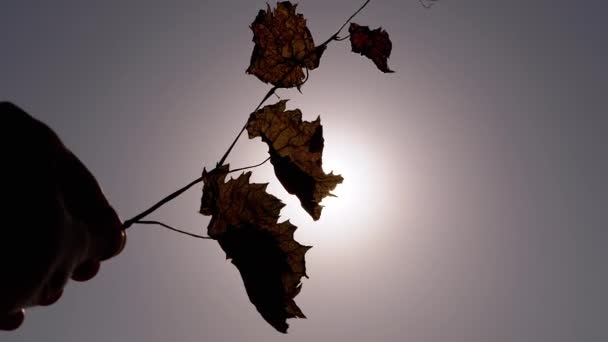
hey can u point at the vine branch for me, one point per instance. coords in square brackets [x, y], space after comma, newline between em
[266, 97]
[174, 229]
[137, 218]
[250, 167]
[350, 18]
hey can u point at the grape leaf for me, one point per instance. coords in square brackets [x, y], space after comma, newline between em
[283, 47]
[296, 151]
[373, 44]
[245, 223]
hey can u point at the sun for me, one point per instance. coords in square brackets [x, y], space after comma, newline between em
[348, 215]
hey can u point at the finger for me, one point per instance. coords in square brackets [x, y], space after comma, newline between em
[53, 289]
[85, 200]
[89, 269]
[12, 321]
[86, 271]
[51, 297]
[115, 245]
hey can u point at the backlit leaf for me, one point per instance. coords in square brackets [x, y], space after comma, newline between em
[296, 151]
[283, 47]
[373, 44]
[245, 223]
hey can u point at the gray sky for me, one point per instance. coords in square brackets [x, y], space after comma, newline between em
[474, 205]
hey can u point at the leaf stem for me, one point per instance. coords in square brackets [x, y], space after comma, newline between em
[337, 34]
[174, 229]
[339, 39]
[268, 95]
[351, 17]
[249, 167]
[128, 223]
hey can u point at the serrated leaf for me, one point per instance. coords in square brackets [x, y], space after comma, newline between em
[296, 152]
[283, 47]
[245, 223]
[373, 44]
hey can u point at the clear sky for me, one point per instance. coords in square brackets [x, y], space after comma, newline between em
[474, 203]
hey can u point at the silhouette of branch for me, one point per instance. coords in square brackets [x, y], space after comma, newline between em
[174, 229]
[249, 167]
[137, 218]
[342, 38]
[268, 95]
[128, 223]
[351, 18]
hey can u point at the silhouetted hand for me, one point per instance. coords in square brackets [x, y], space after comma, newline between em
[55, 223]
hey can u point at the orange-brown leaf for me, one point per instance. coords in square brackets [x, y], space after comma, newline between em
[283, 47]
[296, 151]
[245, 223]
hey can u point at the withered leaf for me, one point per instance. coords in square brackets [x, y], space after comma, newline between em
[373, 44]
[283, 47]
[296, 151]
[245, 223]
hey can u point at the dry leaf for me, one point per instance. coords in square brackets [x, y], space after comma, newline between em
[296, 151]
[373, 44]
[283, 47]
[245, 223]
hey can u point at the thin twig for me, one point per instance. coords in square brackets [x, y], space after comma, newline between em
[160, 203]
[342, 38]
[268, 94]
[174, 229]
[352, 16]
[249, 167]
[337, 34]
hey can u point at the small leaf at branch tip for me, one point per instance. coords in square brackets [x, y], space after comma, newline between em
[373, 44]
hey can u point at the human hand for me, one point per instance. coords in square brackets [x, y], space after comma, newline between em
[56, 222]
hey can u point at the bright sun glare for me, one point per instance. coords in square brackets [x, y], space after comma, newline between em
[347, 217]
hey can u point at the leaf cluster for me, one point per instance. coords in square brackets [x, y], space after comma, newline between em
[244, 217]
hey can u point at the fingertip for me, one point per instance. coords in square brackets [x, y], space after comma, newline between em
[51, 298]
[12, 321]
[116, 244]
[86, 271]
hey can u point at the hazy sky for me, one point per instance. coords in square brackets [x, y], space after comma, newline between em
[474, 205]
